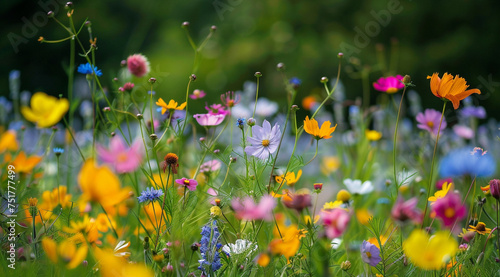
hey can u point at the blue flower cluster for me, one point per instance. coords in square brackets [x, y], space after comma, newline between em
[467, 161]
[87, 69]
[150, 194]
[209, 249]
[240, 122]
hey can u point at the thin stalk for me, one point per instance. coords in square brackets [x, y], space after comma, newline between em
[395, 141]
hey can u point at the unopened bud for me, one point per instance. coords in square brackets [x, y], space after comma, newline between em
[495, 188]
[106, 109]
[152, 80]
[324, 80]
[113, 134]
[140, 116]
[345, 265]
[258, 74]
[153, 137]
[213, 28]
[192, 77]
[251, 121]
[406, 79]
[185, 24]
[280, 66]
[69, 5]
[50, 14]
[123, 63]
[340, 55]
[318, 186]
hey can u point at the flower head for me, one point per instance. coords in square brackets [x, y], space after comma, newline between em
[124, 159]
[477, 112]
[370, 253]
[449, 209]
[188, 183]
[389, 84]
[216, 109]
[445, 188]
[247, 209]
[209, 246]
[453, 89]
[290, 179]
[480, 228]
[230, 99]
[356, 187]
[138, 65]
[430, 253]
[210, 166]
[335, 222]
[407, 210]
[311, 127]
[462, 161]
[8, 141]
[197, 94]
[89, 69]
[209, 119]
[265, 140]
[373, 135]
[24, 164]
[172, 105]
[45, 110]
[171, 161]
[150, 194]
[298, 200]
[66, 251]
[429, 120]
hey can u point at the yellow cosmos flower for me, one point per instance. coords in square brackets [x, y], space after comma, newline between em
[113, 266]
[25, 164]
[480, 228]
[45, 110]
[441, 193]
[307, 219]
[311, 127]
[374, 241]
[364, 216]
[290, 179]
[66, 251]
[329, 164]
[453, 89]
[430, 253]
[289, 242]
[332, 205]
[8, 141]
[172, 105]
[101, 185]
[263, 259]
[486, 190]
[373, 135]
[85, 230]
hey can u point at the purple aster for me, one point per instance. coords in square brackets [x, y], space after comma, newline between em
[370, 253]
[477, 112]
[150, 194]
[429, 120]
[264, 141]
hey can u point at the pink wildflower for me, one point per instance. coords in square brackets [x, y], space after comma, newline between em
[190, 184]
[209, 119]
[249, 210]
[216, 109]
[230, 99]
[429, 120]
[138, 65]
[389, 84]
[404, 210]
[122, 158]
[197, 94]
[210, 166]
[335, 222]
[449, 209]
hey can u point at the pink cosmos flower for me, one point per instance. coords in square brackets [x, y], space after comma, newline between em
[249, 210]
[405, 210]
[138, 65]
[335, 222]
[389, 84]
[210, 166]
[190, 184]
[463, 131]
[449, 209]
[216, 109]
[214, 195]
[209, 119]
[122, 158]
[197, 94]
[429, 120]
[230, 99]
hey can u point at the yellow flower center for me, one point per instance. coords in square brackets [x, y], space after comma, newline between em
[430, 124]
[122, 157]
[449, 212]
[186, 182]
[391, 90]
[265, 142]
[368, 254]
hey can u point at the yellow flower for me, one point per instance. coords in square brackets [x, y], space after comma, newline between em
[332, 205]
[307, 219]
[66, 251]
[363, 216]
[329, 164]
[311, 127]
[112, 266]
[430, 253]
[103, 223]
[85, 230]
[374, 241]
[101, 185]
[453, 89]
[172, 105]
[289, 242]
[441, 193]
[263, 259]
[373, 135]
[480, 228]
[45, 110]
[8, 141]
[343, 196]
[215, 211]
[121, 249]
[32, 202]
[289, 179]
[25, 164]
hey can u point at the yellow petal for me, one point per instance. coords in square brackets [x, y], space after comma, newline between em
[78, 257]
[49, 246]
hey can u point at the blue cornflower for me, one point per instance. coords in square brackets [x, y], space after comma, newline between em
[87, 69]
[209, 249]
[150, 194]
[58, 151]
[296, 82]
[240, 122]
[467, 161]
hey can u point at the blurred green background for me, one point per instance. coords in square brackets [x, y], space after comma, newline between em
[459, 37]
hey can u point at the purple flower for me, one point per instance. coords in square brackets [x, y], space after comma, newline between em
[404, 210]
[150, 194]
[209, 119]
[217, 109]
[190, 184]
[449, 209]
[264, 141]
[477, 112]
[370, 253]
[389, 84]
[429, 120]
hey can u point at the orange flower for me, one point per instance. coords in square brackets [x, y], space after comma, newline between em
[453, 89]
[480, 228]
[8, 141]
[25, 164]
[311, 127]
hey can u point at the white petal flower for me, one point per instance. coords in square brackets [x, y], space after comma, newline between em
[239, 246]
[356, 187]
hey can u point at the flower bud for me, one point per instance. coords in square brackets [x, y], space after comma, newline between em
[106, 109]
[318, 187]
[153, 137]
[140, 116]
[50, 14]
[340, 55]
[213, 28]
[251, 121]
[152, 80]
[123, 63]
[192, 77]
[194, 246]
[185, 24]
[88, 24]
[495, 188]
[216, 151]
[115, 79]
[406, 79]
[69, 6]
[324, 80]
[343, 195]
[280, 66]
[345, 265]
[113, 134]
[232, 159]
[258, 74]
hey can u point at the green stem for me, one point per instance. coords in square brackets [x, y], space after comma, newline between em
[395, 142]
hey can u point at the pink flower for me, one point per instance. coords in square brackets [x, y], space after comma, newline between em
[463, 131]
[190, 184]
[214, 194]
[138, 65]
[197, 94]
[439, 184]
[389, 84]
[249, 210]
[122, 158]
[209, 119]
[216, 109]
[230, 99]
[449, 209]
[335, 222]
[404, 210]
[210, 166]
[429, 120]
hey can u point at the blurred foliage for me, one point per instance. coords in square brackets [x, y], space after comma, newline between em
[252, 36]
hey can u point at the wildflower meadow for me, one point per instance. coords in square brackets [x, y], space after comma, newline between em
[136, 180]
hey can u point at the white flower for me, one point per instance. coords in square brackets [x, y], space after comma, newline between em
[121, 249]
[356, 187]
[239, 246]
[336, 242]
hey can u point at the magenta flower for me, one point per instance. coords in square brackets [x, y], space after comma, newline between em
[190, 184]
[124, 159]
[370, 253]
[389, 84]
[449, 209]
[249, 210]
[230, 99]
[264, 141]
[138, 65]
[216, 109]
[407, 210]
[197, 94]
[429, 120]
[335, 222]
[208, 120]
[210, 166]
